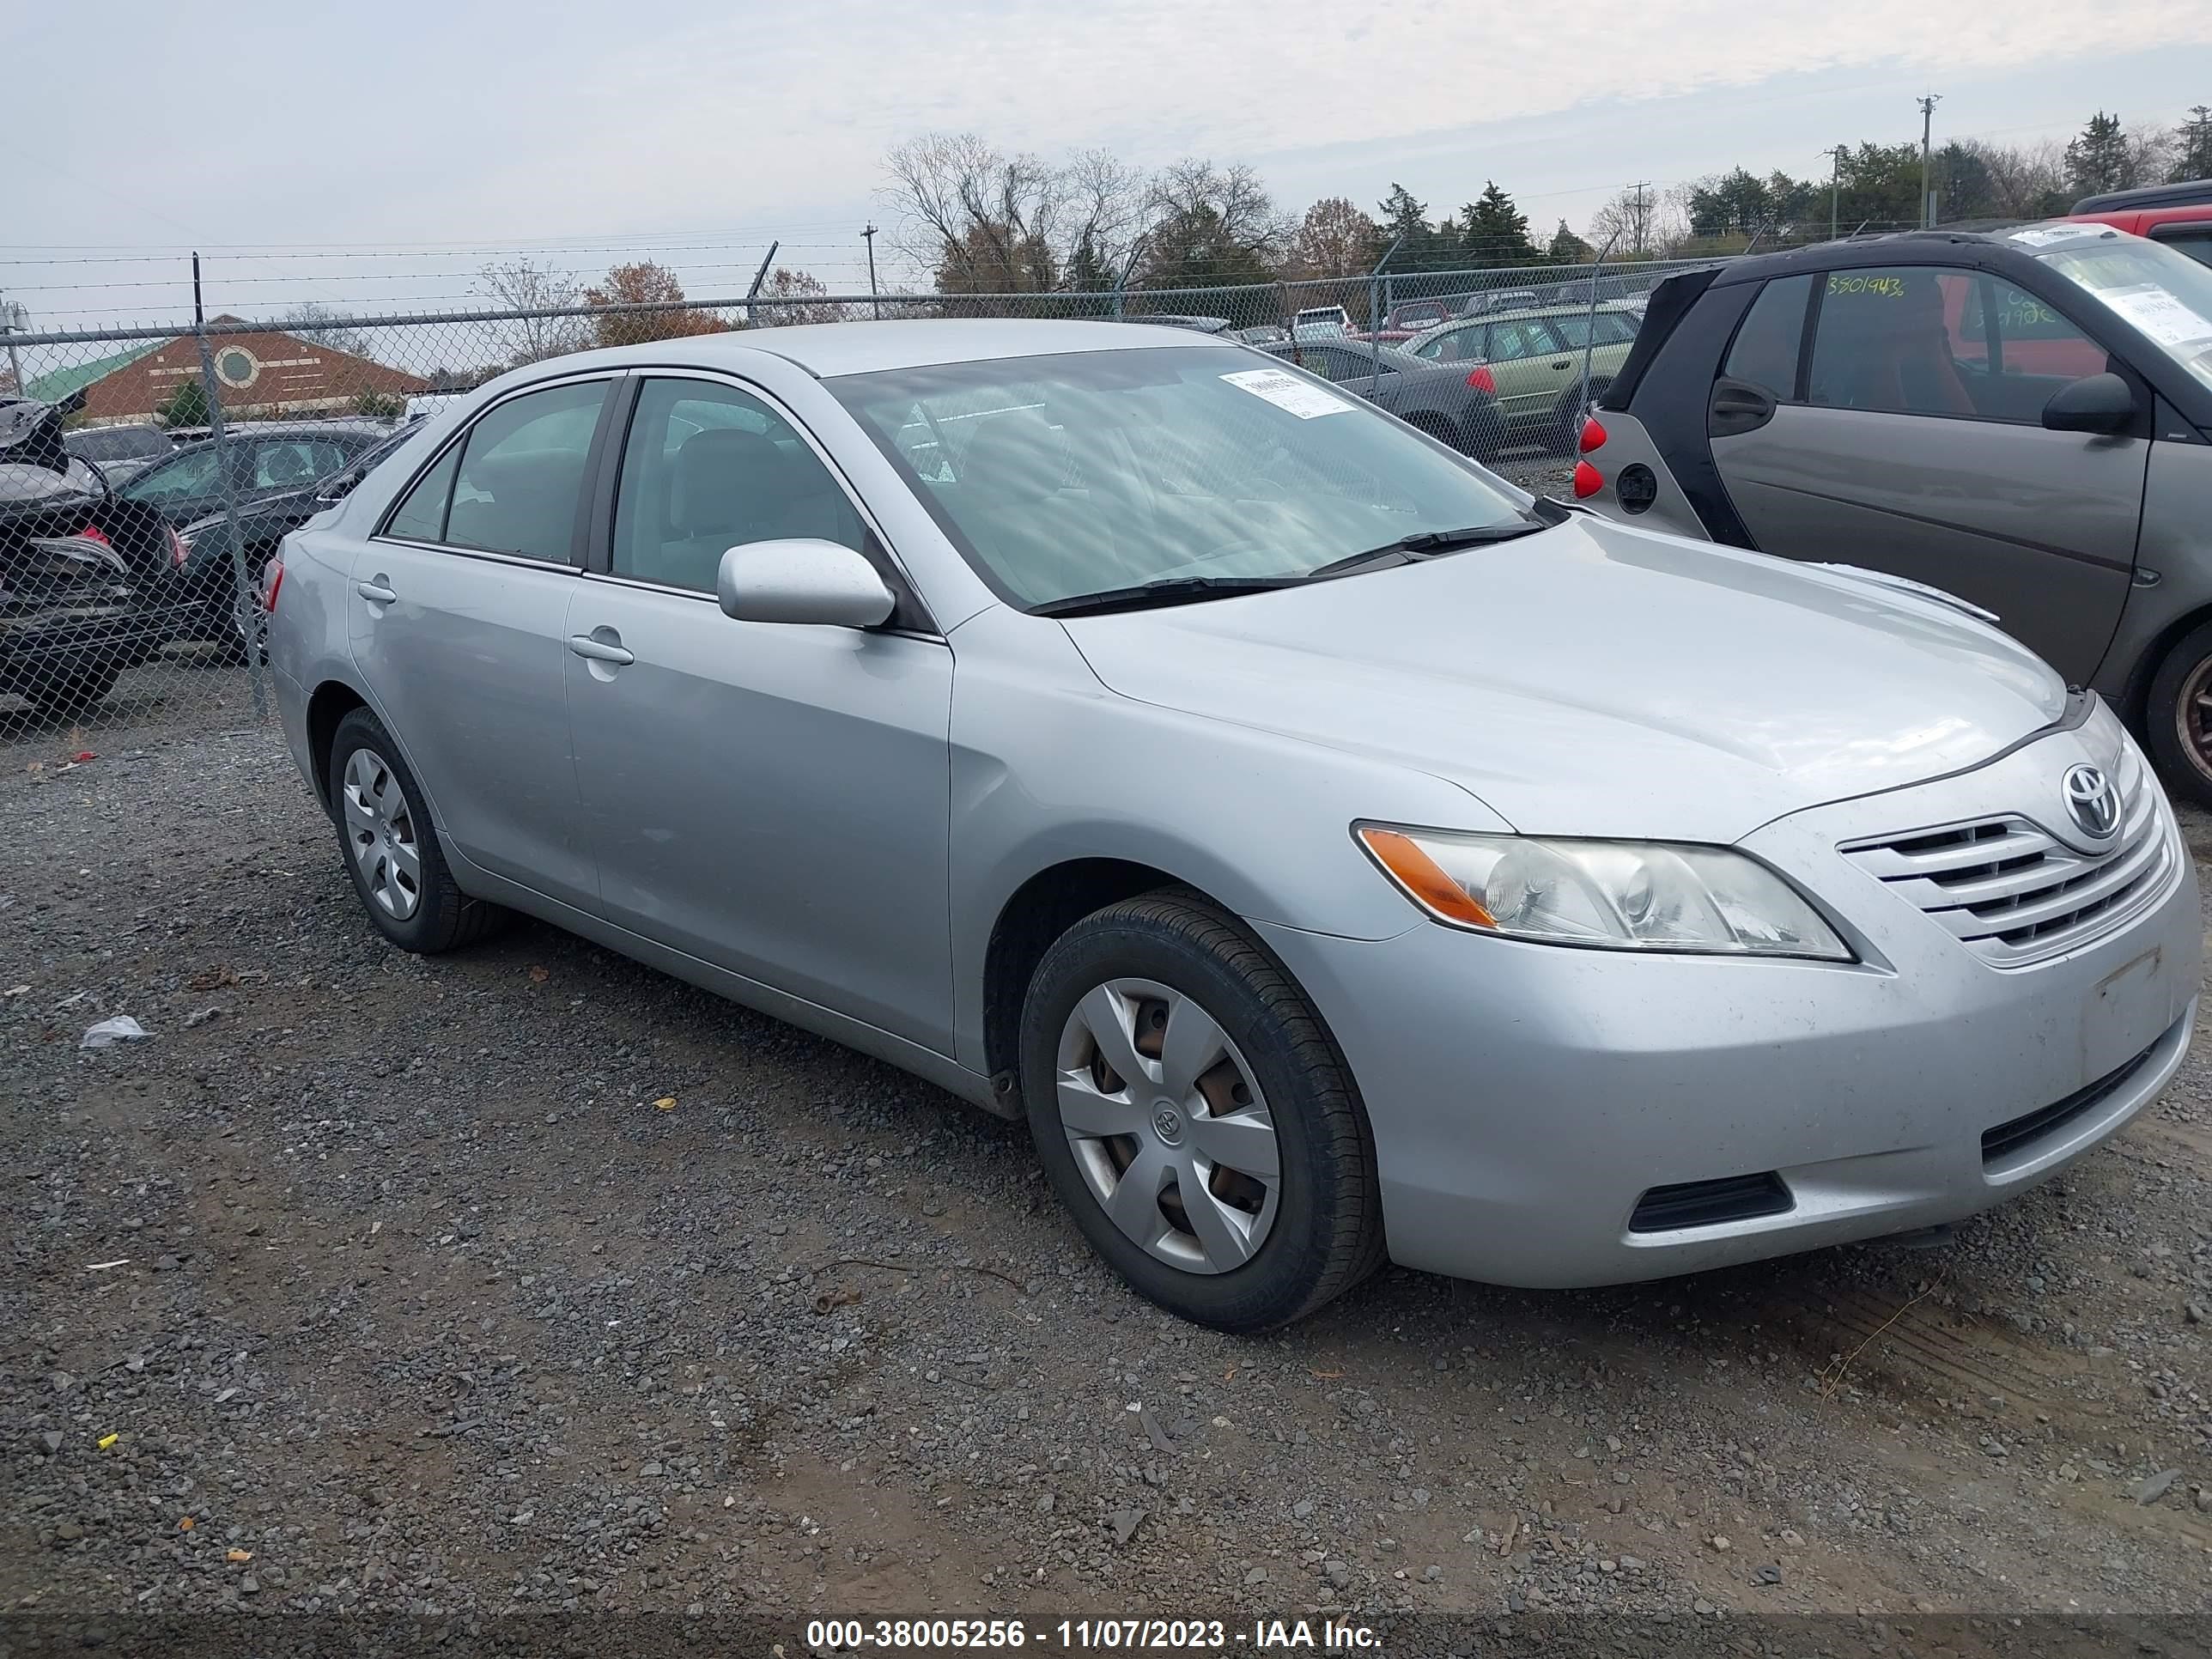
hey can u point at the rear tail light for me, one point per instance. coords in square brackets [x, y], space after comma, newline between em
[1592, 435]
[176, 546]
[1587, 480]
[1480, 380]
[272, 578]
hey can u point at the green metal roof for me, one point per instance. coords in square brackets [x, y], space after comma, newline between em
[52, 388]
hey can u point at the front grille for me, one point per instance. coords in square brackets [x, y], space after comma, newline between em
[1709, 1203]
[2013, 894]
[2001, 1143]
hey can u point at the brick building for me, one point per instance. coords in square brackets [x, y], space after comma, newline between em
[261, 373]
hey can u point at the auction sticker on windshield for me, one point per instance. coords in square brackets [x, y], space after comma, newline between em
[2158, 314]
[1288, 392]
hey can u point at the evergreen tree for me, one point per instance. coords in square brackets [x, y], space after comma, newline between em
[1494, 232]
[1567, 249]
[2098, 158]
[2192, 147]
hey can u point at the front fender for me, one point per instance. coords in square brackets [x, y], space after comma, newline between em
[1049, 767]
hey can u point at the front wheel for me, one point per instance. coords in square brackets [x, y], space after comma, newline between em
[2178, 714]
[1196, 1118]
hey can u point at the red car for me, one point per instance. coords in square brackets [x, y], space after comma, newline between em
[2180, 213]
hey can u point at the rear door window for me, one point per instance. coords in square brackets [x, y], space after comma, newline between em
[522, 474]
[1765, 352]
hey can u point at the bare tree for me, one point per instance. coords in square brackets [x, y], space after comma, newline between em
[1104, 201]
[984, 221]
[1641, 222]
[526, 285]
[309, 320]
[807, 296]
[1334, 238]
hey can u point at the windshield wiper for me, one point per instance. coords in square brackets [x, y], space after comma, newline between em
[1427, 544]
[1169, 590]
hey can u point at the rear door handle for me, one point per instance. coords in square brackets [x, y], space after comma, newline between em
[1564, 363]
[1736, 408]
[375, 591]
[598, 650]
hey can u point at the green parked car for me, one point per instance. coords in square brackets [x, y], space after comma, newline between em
[1535, 359]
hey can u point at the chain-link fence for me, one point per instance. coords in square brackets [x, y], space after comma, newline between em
[147, 476]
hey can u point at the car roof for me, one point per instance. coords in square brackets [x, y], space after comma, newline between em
[1908, 246]
[829, 349]
[1579, 309]
[241, 429]
[2181, 192]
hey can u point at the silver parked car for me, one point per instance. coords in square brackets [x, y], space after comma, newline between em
[1334, 852]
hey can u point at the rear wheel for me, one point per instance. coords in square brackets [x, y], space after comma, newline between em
[391, 848]
[64, 694]
[2179, 715]
[1196, 1118]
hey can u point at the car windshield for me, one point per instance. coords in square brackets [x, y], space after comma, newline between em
[1071, 475]
[2167, 295]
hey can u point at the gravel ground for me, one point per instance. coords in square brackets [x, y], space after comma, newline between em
[529, 1279]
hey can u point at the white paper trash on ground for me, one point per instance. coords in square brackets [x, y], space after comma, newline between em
[121, 1028]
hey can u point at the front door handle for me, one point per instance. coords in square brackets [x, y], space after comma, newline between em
[1564, 363]
[376, 591]
[598, 650]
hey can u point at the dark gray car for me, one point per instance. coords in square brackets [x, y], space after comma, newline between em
[1446, 401]
[2021, 417]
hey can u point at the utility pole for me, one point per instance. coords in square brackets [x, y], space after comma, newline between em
[869, 236]
[14, 320]
[1927, 102]
[1835, 185]
[1637, 221]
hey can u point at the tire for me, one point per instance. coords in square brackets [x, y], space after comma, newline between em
[72, 694]
[2179, 727]
[1567, 423]
[1315, 1233]
[379, 826]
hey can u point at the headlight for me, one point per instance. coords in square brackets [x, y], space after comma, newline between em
[1616, 894]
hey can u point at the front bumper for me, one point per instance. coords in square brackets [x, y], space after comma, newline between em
[1524, 1097]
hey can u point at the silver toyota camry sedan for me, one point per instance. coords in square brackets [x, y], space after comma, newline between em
[1332, 852]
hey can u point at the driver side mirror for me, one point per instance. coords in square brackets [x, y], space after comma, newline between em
[802, 579]
[2096, 402]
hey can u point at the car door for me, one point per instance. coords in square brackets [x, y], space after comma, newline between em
[1531, 367]
[1910, 441]
[459, 607]
[772, 798]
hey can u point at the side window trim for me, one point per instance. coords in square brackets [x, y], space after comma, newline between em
[456, 443]
[912, 616]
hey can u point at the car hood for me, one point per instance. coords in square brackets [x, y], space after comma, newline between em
[1599, 680]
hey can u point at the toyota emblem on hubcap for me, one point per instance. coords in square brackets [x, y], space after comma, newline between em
[1168, 1123]
[2090, 798]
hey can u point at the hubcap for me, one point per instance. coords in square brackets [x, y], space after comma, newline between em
[2192, 716]
[379, 827]
[1168, 1126]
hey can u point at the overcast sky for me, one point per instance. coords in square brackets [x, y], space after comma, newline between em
[697, 131]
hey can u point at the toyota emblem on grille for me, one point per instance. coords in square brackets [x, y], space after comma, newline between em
[2090, 798]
